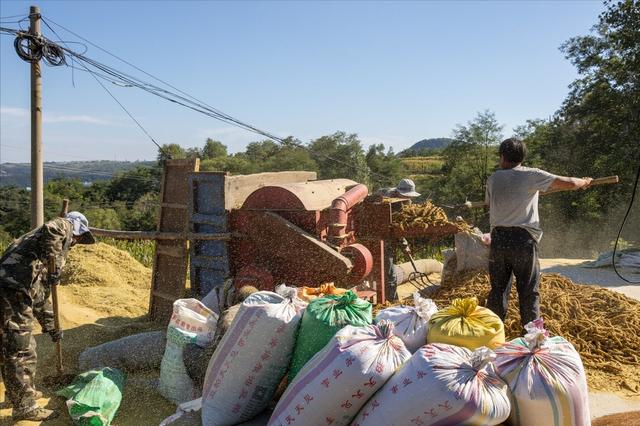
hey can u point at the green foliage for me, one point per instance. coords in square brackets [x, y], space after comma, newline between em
[103, 218]
[170, 151]
[340, 156]
[141, 250]
[129, 186]
[142, 215]
[471, 158]
[213, 149]
[386, 168]
[14, 210]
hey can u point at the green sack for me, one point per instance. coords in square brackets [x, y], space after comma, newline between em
[94, 397]
[321, 320]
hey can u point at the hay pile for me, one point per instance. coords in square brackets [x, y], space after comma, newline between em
[424, 216]
[602, 324]
[108, 279]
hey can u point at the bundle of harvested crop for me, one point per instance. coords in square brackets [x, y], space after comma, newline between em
[424, 216]
[601, 324]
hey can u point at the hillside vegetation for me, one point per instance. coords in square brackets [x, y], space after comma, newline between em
[19, 174]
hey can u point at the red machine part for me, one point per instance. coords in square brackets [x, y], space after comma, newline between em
[339, 208]
[362, 262]
[255, 276]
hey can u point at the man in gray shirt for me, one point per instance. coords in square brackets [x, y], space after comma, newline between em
[512, 196]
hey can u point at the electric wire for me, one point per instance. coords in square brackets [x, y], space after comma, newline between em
[624, 221]
[109, 92]
[2, 18]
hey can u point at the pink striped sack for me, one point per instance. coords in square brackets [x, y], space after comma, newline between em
[546, 379]
[338, 380]
[440, 385]
[252, 358]
[411, 322]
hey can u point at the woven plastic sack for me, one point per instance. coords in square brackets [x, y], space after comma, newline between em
[411, 322]
[94, 397]
[191, 322]
[546, 379]
[440, 385]
[138, 352]
[472, 253]
[311, 293]
[333, 386]
[466, 324]
[252, 358]
[321, 321]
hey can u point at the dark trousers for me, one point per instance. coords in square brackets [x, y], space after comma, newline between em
[18, 349]
[390, 276]
[514, 251]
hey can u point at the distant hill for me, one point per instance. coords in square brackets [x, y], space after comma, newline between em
[19, 174]
[426, 147]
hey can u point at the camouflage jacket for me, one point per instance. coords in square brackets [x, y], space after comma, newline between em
[23, 266]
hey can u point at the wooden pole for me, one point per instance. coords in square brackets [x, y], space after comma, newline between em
[51, 269]
[599, 181]
[37, 181]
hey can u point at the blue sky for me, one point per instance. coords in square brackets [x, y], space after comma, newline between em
[393, 72]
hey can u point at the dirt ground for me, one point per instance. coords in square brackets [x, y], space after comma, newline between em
[101, 302]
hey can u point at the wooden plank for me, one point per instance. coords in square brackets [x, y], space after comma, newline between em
[171, 251]
[173, 205]
[165, 296]
[238, 188]
[170, 259]
[154, 235]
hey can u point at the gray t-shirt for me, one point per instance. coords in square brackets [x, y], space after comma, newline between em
[512, 196]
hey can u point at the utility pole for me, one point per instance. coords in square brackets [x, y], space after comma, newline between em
[37, 181]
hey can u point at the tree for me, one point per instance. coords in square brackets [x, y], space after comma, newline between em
[471, 158]
[14, 210]
[601, 115]
[129, 186]
[386, 168]
[170, 151]
[143, 215]
[213, 149]
[103, 218]
[340, 156]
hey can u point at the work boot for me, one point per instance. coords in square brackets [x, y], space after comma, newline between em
[37, 415]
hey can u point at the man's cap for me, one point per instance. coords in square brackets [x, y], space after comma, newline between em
[407, 188]
[80, 227]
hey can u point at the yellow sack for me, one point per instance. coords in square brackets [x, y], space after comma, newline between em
[466, 324]
[310, 293]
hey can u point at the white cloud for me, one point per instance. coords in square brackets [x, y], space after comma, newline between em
[87, 119]
[13, 112]
[22, 114]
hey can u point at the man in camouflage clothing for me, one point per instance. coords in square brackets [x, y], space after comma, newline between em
[25, 287]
